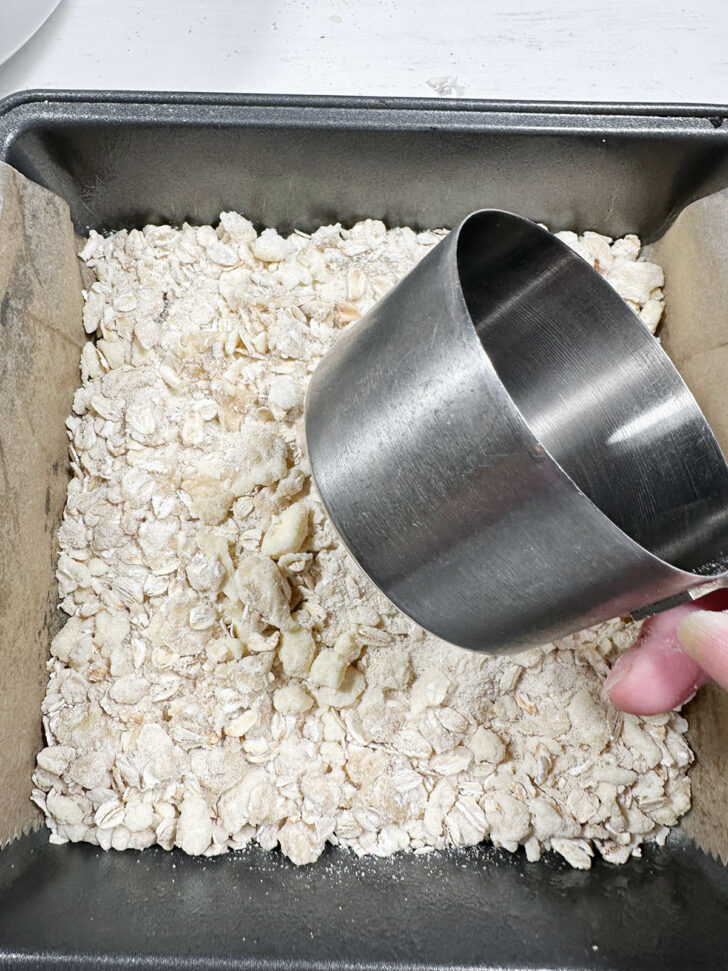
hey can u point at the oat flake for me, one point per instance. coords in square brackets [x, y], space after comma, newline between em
[227, 674]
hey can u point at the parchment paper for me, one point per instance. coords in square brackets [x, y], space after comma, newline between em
[41, 336]
[694, 255]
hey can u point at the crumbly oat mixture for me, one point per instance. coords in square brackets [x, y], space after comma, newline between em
[227, 674]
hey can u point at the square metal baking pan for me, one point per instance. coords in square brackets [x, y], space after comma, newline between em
[122, 160]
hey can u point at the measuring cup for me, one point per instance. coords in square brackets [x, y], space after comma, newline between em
[507, 451]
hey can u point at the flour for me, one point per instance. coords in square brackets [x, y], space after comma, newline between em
[227, 673]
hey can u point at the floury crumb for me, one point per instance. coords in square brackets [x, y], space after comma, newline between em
[227, 674]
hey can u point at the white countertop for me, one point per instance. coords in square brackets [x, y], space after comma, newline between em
[595, 50]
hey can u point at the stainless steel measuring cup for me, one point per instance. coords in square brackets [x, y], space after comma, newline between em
[508, 452]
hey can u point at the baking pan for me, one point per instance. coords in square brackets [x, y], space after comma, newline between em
[121, 160]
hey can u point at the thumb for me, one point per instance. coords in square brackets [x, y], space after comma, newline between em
[703, 635]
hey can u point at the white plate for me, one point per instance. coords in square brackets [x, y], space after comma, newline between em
[19, 20]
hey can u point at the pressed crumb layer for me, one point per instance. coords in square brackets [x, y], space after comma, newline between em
[227, 673]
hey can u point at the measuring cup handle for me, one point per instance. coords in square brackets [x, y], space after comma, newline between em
[681, 598]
